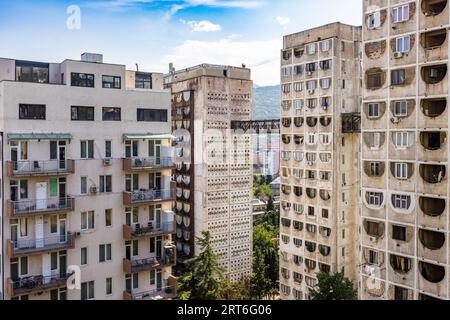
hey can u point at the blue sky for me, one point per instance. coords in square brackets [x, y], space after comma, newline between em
[153, 33]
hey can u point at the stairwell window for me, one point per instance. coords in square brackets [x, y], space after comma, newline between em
[403, 44]
[401, 108]
[400, 14]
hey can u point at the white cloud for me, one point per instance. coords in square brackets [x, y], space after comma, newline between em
[235, 36]
[261, 56]
[283, 21]
[202, 26]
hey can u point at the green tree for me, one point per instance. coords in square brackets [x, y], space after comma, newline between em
[204, 278]
[333, 287]
[240, 290]
[270, 206]
[265, 191]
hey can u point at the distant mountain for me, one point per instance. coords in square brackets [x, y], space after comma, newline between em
[266, 102]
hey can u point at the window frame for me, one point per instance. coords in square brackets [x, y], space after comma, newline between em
[86, 112]
[82, 83]
[24, 111]
[114, 78]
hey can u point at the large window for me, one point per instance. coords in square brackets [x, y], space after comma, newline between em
[111, 82]
[32, 72]
[82, 80]
[32, 111]
[111, 114]
[82, 113]
[143, 81]
[152, 115]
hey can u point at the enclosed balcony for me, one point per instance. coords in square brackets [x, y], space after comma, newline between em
[374, 229]
[147, 197]
[286, 190]
[433, 207]
[299, 139]
[431, 240]
[153, 263]
[298, 191]
[298, 122]
[375, 78]
[147, 164]
[150, 230]
[433, 108]
[325, 121]
[431, 272]
[311, 193]
[433, 141]
[167, 291]
[39, 245]
[286, 139]
[433, 39]
[374, 169]
[324, 250]
[286, 122]
[310, 246]
[432, 174]
[311, 122]
[325, 195]
[39, 168]
[400, 264]
[28, 208]
[36, 284]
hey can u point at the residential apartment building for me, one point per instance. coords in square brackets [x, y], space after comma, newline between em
[86, 167]
[320, 83]
[266, 153]
[404, 168]
[214, 173]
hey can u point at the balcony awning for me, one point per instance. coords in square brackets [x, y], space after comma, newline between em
[148, 136]
[39, 136]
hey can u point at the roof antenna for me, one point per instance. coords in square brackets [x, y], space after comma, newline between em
[137, 67]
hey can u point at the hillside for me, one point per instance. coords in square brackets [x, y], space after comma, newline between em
[266, 102]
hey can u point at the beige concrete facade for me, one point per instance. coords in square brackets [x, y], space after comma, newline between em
[404, 168]
[214, 166]
[69, 202]
[320, 80]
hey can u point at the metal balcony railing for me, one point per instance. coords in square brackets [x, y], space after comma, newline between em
[137, 197]
[29, 246]
[166, 292]
[37, 283]
[131, 164]
[134, 266]
[40, 167]
[40, 206]
[150, 230]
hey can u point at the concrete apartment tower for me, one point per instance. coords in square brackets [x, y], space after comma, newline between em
[405, 148]
[320, 79]
[214, 171]
[86, 166]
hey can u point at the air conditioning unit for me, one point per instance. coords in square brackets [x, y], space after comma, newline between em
[107, 161]
[311, 91]
[78, 234]
[93, 190]
[395, 120]
[398, 55]
[309, 73]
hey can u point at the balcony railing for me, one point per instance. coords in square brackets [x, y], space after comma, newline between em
[39, 207]
[135, 266]
[38, 245]
[39, 283]
[142, 164]
[39, 168]
[164, 293]
[148, 196]
[150, 230]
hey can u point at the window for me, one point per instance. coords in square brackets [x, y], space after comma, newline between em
[373, 257]
[374, 110]
[105, 184]
[375, 198]
[298, 86]
[83, 185]
[23, 222]
[399, 233]
[36, 72]
[108, 217]
[400, 293]
[111, 114]
[32, 111]
[398, 77]
[152, 277]
[403, 44]
[82, 80]
[298, 104]
[400, 14]
[82, 113]
[375, 169]
[298, 70]
[374, 20]
[108, 286]
[325, 83]
[108, 149]
[143, 80]
[152, 115]
[401, 140]
[87, 290]
[325, 213]
[131, 148]
[310, 67]
[87, 220]
[311, 48]
[104, 252]
[401, 171]
[325, 45]
[286, 88]
[325, 64]
[401, 201]
[87, 149]
[111, 82]
[286, 72]
[374, 80]
[84, 257]
[401, 108]
[311, 85]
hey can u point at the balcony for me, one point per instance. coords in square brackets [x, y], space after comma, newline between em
[35, 284]
[138, 232]
[39, 168]
[432, 174]
[147, 164]
[147, 197]
[135, 266]
[40, 245]
[164, 293]
[28, 208]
